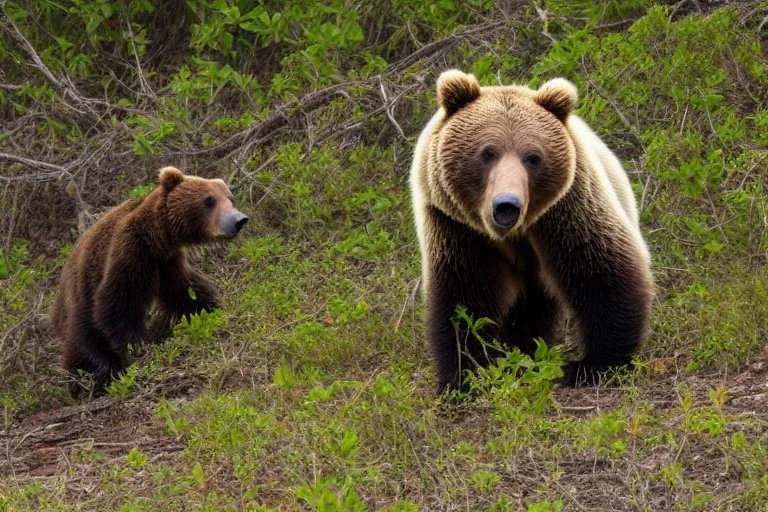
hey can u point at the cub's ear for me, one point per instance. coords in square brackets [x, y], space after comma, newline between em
[557, 96]
[455, 90]
[170, 177]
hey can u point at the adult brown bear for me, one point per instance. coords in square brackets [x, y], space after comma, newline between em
[523, 216]
[132, 258]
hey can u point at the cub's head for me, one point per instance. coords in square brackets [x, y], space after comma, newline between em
[503, 155]
[199, 210]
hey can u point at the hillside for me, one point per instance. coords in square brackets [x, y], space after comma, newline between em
[313, 389]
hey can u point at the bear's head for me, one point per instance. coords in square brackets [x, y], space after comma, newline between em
[198, 210]
[503, 155]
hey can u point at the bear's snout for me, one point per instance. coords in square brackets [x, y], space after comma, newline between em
[506, 210]
[232, 224]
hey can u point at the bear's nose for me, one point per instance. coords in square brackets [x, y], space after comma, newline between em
[232, 224]
[240, 221]
[506, 210]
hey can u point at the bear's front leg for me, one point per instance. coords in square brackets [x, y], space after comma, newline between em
[461, 268]
[599, 262]
[206, 295]
[183, 292]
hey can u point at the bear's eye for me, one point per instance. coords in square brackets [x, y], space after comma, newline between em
[531, 160]
[489, 155]
[210, 202]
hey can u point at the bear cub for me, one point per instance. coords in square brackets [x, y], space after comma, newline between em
[524, 216]
[131, 259]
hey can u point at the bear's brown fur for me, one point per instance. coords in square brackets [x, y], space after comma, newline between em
[523, 215]
[132, 258]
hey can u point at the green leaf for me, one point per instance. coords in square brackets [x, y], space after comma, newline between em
[107, 10]
[136, 459]
[349, 447]
[4, 271]
[284, 377]
[739, 442]
[198, 476]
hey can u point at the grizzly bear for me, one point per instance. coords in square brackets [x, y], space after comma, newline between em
[525, 217]
[131, 259]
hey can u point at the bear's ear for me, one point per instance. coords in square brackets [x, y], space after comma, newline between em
[456, 89]
[558, 96]
[170, 177]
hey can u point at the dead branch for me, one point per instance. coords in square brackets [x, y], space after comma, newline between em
[388, 108]
[145, 87]
[60, 171]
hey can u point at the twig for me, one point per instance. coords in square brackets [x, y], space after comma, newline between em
[278, 118]
[645, 190]
[10, 354]
[33, 432]
[410, 298]
[287, 113]
[427, 51]
[634, 130]
[142, 79]
[31, 163]
[388, 108]
[543, 16]
[685, 115]
[749, 171]
[95, 405]
[762, 24]
[714, 213]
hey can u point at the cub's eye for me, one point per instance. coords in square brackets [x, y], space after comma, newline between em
[210, 202]
[531, 160]
[489, 155]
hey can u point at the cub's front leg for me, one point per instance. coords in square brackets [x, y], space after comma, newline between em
[206, 296]
[183, 292]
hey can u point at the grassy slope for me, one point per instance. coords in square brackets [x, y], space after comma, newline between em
[312, 389]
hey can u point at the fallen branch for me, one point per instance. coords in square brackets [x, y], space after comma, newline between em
[32, 163]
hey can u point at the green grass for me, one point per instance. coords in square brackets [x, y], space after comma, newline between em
[313, 389]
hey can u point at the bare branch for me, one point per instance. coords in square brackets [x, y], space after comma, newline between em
[31, 163]
[388, 108]
[142, 79]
